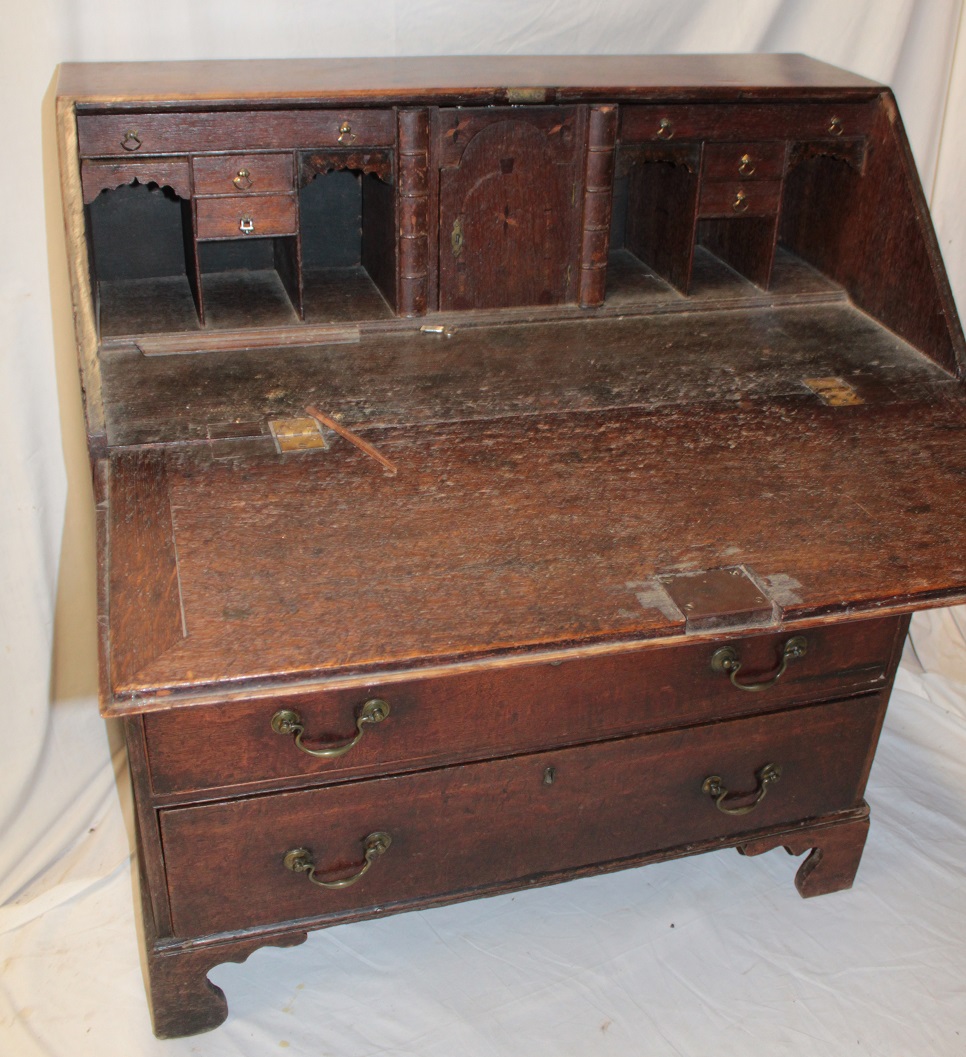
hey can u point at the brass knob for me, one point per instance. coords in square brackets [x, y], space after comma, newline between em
[741, 203]
[243, 180]
[835, 126]
[746, 166]
[346, 135]
[131, 140]
[665, 129]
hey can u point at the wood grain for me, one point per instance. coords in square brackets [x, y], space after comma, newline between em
[463, 829]
[531, 532]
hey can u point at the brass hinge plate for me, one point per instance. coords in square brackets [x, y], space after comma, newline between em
[296, 434]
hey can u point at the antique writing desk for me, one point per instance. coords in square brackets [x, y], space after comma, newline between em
[506, 469]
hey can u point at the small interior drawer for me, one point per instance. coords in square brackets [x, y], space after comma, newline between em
[122, 135]
[733, 198]
[744, 161]
[458, 830]
[232, 174]
[491, 712]
[748, 122]
[246, 216]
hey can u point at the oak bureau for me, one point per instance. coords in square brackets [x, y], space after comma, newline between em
[506, 470]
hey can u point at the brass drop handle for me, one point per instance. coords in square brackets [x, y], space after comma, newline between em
[835, 126]
[746, 167]
[726, 659]
[770, 774]
[740, 204]
[665, 129]
[346, 135]
[299, 860]
[243, 180]
[246, 225]
[286, 721]
[131, 140]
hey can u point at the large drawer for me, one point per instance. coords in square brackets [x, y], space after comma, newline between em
[462, 830]
[496, 711]
[744, 121]
[119, 135]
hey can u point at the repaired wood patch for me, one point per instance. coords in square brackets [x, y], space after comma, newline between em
[835, 392]
[719, 598]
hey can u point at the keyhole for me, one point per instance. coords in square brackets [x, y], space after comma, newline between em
[549, 775]
[506, 166]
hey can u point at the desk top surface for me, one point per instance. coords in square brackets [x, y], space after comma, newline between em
[463, 79]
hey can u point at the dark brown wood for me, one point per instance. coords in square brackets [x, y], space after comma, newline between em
[834, 852]
[459, 828]
[145, 592]
[508, 211]
[476, 714]
[223, 218]
[730, 122]
[104, 135]
[233, 174]
[663, 497]
[98, 176]
[473, 506]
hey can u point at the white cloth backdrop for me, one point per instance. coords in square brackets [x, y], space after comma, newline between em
[712, 954]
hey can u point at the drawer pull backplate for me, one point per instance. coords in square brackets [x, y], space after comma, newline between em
[727, 660]
[768, 775]
[299, 860]
[286, 721]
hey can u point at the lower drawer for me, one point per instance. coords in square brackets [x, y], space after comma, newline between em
[460, 830]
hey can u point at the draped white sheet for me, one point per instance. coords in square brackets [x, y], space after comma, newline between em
[591, 967]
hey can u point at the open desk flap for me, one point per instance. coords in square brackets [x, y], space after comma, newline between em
[527, 534]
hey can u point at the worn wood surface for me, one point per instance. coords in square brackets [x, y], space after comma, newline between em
[460, 829]
[479, 373]
[539, 530]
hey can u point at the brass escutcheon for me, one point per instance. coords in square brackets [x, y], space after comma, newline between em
[300, 860]
[726, 659]
[287, 721]
[768, 775]
[456, 238]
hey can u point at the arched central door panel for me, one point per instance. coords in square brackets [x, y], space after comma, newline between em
[509, 210]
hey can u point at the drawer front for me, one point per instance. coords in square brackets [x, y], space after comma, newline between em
[745, 121]
[474, 715]
[462, 830]
[231, 174]
[739, 198]
[246, 216]
[120, 135]
[744, 161]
